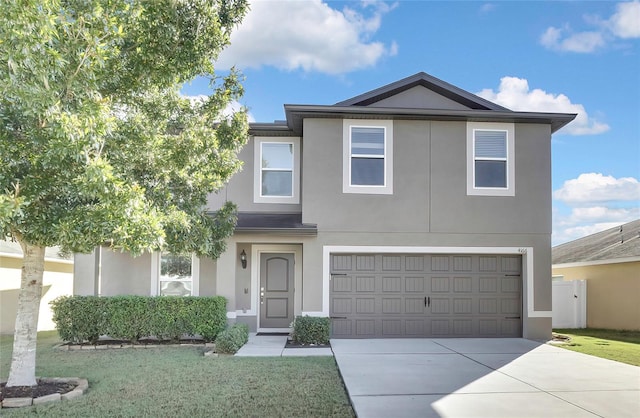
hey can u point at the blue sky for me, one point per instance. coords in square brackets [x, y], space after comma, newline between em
[576, 57]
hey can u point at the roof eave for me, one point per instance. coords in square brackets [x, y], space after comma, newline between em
[305, 231]
[296, 113]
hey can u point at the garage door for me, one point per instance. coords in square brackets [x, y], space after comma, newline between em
[425, 295]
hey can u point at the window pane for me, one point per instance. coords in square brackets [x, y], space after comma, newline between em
[367, 171]
[277, 156]
[491, 174]
[175, 288]
[277, 183]
[174, 267]
[367, 141]
[491, 144]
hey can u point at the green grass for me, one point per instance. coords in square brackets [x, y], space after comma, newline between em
[180, 381]
[622, 346]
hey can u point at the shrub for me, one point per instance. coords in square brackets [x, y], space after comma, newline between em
[311, 330]
[231, 339]
[84, 318]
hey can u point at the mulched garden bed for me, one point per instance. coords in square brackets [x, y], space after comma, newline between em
[42, 389]
[293, 344]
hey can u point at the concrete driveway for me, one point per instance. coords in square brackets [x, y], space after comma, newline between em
[483, 378]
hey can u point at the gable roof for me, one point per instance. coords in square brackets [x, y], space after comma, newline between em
[425, 80]
[615, 243]
[375, 104]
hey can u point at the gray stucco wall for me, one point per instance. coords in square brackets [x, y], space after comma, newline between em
[123, 274]
[429, 193]
[240, 189]
[84, 274]
[208, 277]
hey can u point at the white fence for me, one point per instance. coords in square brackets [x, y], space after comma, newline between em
[569, 304]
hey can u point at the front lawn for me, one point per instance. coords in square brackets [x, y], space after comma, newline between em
[622, 346]
[180, 381]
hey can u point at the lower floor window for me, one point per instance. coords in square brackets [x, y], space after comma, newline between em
[176, 275]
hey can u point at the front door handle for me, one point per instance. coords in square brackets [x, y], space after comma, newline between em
[427, 301]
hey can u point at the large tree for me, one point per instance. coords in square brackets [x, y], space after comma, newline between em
[98, 147]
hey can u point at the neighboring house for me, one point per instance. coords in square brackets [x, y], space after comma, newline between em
[414, 210]
[610, 263]
[57, 281]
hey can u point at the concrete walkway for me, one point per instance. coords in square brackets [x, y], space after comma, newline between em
[274, 346]
[483, 378]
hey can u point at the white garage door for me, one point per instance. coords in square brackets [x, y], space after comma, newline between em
[425, 295]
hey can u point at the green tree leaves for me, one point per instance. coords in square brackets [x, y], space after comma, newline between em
[93, 130]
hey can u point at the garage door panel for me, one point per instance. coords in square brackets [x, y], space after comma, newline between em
[440, 306]
[414, 263]
[342, 306]
[440, 284]
[365, 262]
[365, 284]
[392, 284]
[365, 328]
[341, 284]
[365, 306]
[392, 305]
[451, 296]
[391, 263]
[462, 285]
[462, 263]
[414, 284]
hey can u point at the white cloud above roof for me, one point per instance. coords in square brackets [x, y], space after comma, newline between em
[514, 93]
[308, 35]
[597, 202]
[590, 188]
[623, 24]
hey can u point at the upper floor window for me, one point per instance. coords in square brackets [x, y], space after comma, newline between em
[277, 170]
[490, 159]
[367, 156]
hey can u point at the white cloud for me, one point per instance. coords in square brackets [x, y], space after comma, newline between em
[487, 7]
[233, 106]
[308, 35]
[514, 93]
[576, 42]
[563, 235]
[597, 202]
[589, 188]
[624, 24]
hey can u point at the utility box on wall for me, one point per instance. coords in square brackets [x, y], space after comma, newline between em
[569, 304]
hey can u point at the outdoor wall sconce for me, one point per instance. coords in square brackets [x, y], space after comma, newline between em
[243, 259]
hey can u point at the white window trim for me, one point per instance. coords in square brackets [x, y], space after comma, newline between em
[257, 170]
[509, 128]
[155, 274]
[347, 187]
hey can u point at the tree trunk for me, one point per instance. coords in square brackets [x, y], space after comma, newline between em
[23, 361]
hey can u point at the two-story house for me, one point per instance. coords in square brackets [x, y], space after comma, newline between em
[414, 210]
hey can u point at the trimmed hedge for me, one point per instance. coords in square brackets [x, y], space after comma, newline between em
[85, 318]
[231, 339]
[311, 330]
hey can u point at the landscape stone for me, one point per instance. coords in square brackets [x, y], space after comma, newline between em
[54, 397]
[16, 402]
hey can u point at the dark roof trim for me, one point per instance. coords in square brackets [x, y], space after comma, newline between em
[279, 128]
[274, 223]
[296, 113]
[432, 83]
